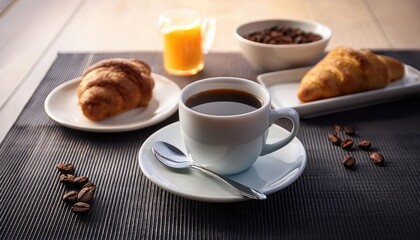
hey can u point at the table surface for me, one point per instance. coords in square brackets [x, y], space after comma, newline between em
[33, 32]
[319, 205]
[327, 201]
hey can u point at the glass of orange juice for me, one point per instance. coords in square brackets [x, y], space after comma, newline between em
[186, 37]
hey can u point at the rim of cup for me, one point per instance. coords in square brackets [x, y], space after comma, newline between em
[211, 82]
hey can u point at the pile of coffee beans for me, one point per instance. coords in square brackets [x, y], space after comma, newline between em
[282, 35]
[81, 190]
[345, 137]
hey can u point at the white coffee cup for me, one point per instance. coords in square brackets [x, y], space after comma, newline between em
[229, 144]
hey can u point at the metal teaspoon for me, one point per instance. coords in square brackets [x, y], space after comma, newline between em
[172, 157]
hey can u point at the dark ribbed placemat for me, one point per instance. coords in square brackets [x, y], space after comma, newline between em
[326, 202]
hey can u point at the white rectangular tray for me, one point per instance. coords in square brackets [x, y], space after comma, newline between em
[283, 86]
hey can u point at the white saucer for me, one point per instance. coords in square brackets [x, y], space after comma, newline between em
[61, 105]
[269, 173]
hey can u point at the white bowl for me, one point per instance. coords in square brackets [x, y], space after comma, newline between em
[278, 57]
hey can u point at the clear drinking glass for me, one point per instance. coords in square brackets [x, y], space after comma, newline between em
[186, 36]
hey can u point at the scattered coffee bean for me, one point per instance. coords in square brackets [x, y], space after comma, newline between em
[90, 185]
[349, 162]
[70, 197]
[66, 168]
[337, 128]
[377, 158]
[365, 145]
[347, 144]
[80, 198]
[85, 195]
[349, 130]
[66, 179]
[80, 181]
[80, 207]
[334, 139]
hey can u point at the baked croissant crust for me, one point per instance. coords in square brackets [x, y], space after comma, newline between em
[113, 86]
[345, 70]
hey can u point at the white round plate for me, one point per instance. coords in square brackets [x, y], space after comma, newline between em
[269, 173]
[62, 106]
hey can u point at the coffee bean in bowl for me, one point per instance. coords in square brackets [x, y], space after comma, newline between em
[273, 57]
[283, 35]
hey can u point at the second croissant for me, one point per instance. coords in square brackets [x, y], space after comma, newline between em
[345, 70]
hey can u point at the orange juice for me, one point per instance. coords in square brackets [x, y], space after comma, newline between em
[183, 53]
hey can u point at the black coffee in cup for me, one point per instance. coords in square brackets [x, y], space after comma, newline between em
[223, 102]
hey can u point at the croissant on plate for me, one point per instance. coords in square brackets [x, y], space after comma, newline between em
[113, 86]
[345, 70]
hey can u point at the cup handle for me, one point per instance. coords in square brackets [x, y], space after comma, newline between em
[208, 27]
[275, 114]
